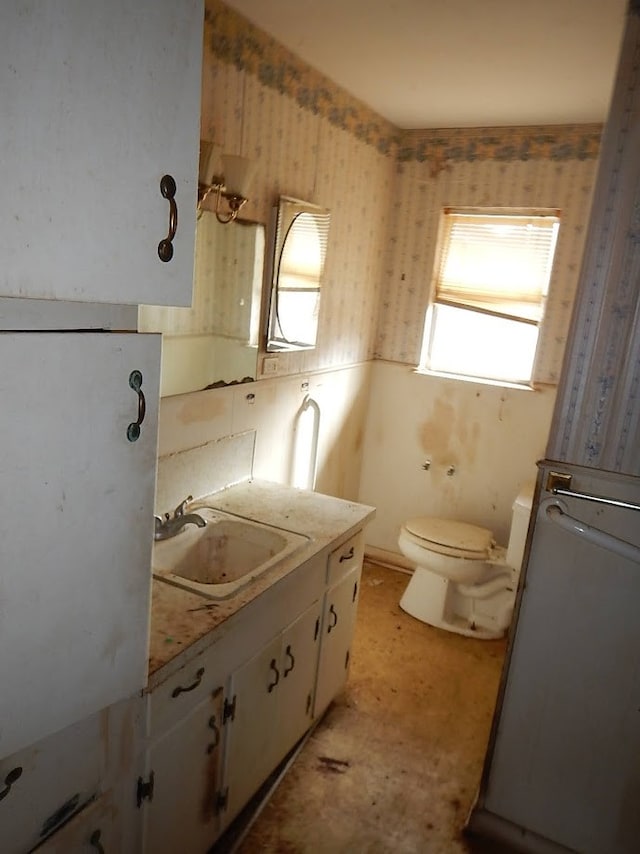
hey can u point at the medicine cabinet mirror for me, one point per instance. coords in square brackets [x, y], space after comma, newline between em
[215, 341]
[300, 247]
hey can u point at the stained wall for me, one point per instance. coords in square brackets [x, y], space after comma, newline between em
[385, 189]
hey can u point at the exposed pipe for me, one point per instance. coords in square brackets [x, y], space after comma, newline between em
[487, 588]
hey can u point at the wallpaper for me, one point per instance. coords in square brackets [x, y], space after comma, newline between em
[597, 419]
[299, 152]
[420, 197]
[385, 189]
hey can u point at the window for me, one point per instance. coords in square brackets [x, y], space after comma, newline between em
[300, 250]
[491, 279]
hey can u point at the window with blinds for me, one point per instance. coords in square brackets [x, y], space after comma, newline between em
[301, 247]
[491, 280]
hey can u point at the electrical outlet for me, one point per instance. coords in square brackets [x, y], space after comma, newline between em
[269, 365]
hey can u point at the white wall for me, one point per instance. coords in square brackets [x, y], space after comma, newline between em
[493, 436]
[272, 408]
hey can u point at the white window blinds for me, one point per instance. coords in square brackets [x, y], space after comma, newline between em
[303, 253]
[496, 263]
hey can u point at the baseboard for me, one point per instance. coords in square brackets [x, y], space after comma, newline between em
[487, 825]
[389, 559]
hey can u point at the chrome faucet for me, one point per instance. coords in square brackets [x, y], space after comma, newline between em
[171, 525]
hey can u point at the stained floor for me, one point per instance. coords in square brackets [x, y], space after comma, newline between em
[395, 764]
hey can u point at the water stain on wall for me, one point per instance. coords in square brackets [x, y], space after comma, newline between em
[450, 434]
[203, 407]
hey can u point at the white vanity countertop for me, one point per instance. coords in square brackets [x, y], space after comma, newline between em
[180, 618]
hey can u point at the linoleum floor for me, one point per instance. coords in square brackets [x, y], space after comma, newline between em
[395, 764]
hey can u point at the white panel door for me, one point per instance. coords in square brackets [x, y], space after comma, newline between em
[99, 100]
[76, 522]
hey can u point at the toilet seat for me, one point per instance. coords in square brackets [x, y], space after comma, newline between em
[447, 537]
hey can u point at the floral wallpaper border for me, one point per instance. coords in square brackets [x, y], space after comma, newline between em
[236, 41]
[441, 148]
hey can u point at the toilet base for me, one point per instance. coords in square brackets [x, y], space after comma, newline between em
[435, 600]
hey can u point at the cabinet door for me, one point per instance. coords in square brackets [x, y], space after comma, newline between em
[99, 101]
[299, 661]
[76, 523]
[95, 829]
[182, 812]
[341, 602]
[250, 734]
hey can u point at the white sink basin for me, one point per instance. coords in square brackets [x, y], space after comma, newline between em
[227, 554]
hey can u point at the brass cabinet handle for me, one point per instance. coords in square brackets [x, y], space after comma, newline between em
[213, 724]
[180, 690]
[94, 841]
[334, 615]
[135, 382]
[276, 672]
[9, 780]
[168, 190]
[292, 661]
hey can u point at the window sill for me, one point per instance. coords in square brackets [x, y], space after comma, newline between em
[477, 380]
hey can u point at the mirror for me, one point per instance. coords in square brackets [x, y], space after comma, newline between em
[299, 254]
[215, 341]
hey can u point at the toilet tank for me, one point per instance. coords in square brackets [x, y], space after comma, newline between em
[520, 516]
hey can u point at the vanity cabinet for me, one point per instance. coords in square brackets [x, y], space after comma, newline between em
[183, 780]
[76, 522]
[222, 721]
[271, 706]
[99, 102]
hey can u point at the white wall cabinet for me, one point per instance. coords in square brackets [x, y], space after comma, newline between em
[76, 522]
[99, 101]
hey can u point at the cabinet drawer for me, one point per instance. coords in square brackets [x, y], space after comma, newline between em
[347, 556]
[94, 829]
[174, 698]
[45, 784]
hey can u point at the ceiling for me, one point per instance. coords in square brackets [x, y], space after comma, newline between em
[457, 63]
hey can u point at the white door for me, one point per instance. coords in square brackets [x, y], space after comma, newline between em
[565, 763]
[76, 522]
[99, 100]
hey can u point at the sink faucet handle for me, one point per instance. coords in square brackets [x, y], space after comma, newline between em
[179, 511]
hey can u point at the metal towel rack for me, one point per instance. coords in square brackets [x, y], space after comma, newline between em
[556, 512]
[559, 483]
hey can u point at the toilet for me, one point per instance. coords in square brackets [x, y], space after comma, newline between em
[463, 581]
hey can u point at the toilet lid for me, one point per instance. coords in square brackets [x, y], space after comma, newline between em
[450, 535]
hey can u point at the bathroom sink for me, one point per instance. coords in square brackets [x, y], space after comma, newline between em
[224, 556]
